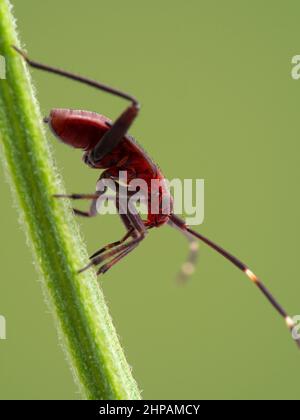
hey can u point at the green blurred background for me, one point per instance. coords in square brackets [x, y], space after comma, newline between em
[219, 103]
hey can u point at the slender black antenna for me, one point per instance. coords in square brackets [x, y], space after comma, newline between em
[241, 266]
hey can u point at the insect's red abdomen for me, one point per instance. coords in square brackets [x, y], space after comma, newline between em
[80, 129]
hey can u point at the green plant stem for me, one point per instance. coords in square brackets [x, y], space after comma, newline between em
[89, 337]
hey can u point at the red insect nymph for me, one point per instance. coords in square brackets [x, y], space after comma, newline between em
[108, 146]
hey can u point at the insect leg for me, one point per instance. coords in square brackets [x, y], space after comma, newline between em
[130, 246]
[112, 245]
[130, 227]
[92, 212]
[115, 260]
[137, 232]
[113, 136]
[119, 249]
[76, 77]
[77, 196]
[118, 129]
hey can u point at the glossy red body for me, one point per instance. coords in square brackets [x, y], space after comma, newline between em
[84, 129]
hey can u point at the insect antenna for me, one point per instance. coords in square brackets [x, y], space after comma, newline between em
[241, 266]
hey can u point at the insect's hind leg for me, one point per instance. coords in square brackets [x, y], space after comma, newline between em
[130, 228]
[92, 212]
[136, 230]
[118, 129]
[104, 268]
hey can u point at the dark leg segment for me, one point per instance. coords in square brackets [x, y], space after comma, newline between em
[76, 77]
[114, 135]
[93, 208]
[115, 260]
[118, 250]
[112, 245]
